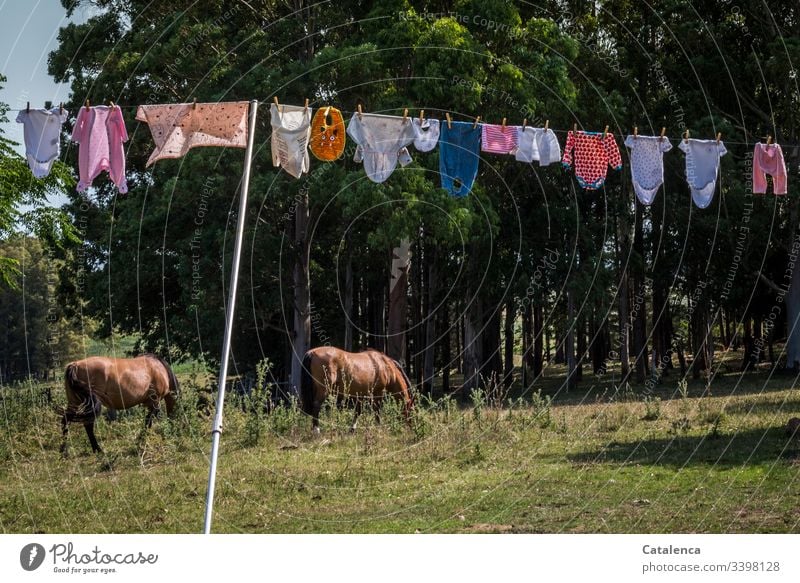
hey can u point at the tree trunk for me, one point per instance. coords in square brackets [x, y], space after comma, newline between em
[538, 325]
[569, 349]
[348, 302]
[526, 343]
[472, 345]
[508, 367]
[430, 325]
[398, 293]
[301, 341]
[445, 324]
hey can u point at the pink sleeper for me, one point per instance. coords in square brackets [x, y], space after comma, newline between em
[100, 131]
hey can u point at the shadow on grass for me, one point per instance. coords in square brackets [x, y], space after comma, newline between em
[752, 447]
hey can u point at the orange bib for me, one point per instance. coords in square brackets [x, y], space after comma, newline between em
[327, 134]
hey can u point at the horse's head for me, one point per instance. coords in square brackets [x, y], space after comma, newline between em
[408, 389]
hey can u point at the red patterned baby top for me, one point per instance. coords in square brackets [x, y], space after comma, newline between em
[592, 154]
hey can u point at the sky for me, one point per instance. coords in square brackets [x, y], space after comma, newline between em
[29, 32]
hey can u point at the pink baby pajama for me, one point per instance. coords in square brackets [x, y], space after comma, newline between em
[498, 139]
[100, 131]
[768, 159]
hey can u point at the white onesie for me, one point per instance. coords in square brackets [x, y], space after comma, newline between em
[647, 165]
[426, 134]
[702, 167]
[537, 144]
[291, 130]
[42, 131]
[382, 142]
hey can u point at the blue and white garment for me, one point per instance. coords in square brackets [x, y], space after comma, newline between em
[647, 165]
[459, 153]
[42, 132]
[702, 168]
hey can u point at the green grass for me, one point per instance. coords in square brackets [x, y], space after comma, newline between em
[590, 461]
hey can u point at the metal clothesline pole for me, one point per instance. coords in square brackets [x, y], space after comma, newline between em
[226, 343]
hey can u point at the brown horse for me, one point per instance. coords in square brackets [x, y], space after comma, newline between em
[117, 383]
[368, 375]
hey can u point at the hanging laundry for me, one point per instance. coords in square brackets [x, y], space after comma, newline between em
[768, 159]
[498, 139]
[100, 131]
[177, 128]
[459, 153]
[592, 154]
[537, 144]
[382, 142]
[41, 129]
[702, 167]
[328, 134]
[647, 165]
[426, 134]
[291, 132]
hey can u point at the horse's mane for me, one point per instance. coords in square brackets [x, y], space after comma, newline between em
[173, 380]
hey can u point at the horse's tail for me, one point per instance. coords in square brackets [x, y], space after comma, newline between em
[306, 384]
[89, 406]
[409, 386]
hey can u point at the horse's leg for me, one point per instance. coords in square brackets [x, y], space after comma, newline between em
[64, 432]
[316, 407]
[89, 426]
[377, 405]
[355, 416]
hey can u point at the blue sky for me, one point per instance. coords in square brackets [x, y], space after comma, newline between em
[29, 33]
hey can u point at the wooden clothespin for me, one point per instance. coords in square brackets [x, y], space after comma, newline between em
[111, 104]
[405, 115]
[635, 131]
[663, 131]
[475, 123]
[504, 123]
[306, 103]
[61, 107]
[574, 128]
[28, 107]
[421, 116]
[719, 136]
[769, 140]
[449, 121]
[605, 132]
[686, 136]
[360, 113]
[277, 105]
[87, 104]
[546, 124]
[524, 123]
[194, 103]
[327, 111]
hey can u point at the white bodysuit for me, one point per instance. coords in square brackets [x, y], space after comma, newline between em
[382, 142]
[291, 131]
[537, 144]
[426, 134]
[42, 131]
[702, 167]
[647, 165]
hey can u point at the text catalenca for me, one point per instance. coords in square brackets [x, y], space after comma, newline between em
[670, 550]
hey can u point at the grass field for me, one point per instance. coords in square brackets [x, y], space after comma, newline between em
[679, 460]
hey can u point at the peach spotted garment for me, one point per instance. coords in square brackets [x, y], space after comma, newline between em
[177, 128]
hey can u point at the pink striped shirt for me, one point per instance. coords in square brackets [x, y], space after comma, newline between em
[497, 139]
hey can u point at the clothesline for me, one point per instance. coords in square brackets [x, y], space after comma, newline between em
[382, 143]
[564, 132]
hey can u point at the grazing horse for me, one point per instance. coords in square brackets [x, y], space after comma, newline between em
[361, 375]
[117, 383]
